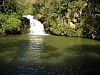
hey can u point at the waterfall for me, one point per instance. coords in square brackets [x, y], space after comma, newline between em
[36, 27]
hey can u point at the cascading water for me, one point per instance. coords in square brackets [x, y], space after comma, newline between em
[36, 27]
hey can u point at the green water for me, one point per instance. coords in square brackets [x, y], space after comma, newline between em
[49, 55]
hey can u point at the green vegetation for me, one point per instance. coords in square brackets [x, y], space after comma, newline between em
[11, 12]
[69, 17]
[60, 17]
[9, 22]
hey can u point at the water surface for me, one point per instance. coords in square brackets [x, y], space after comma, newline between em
[49, 55]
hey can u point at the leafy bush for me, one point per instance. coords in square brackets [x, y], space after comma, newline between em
[12, 23]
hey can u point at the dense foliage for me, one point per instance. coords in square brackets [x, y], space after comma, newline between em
[91, 19]
[60, 17]
[11, 12]
[69, 17]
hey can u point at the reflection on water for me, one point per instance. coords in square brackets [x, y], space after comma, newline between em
[49, 55]
[32, 50]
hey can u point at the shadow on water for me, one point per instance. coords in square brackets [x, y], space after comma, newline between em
[10, 49]
[8, 53]
[75, 60]
[38, 57]
[85, 60]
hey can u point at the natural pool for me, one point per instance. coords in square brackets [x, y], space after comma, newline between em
[49, 55]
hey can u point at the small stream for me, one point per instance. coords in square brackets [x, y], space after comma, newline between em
[49, 55]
